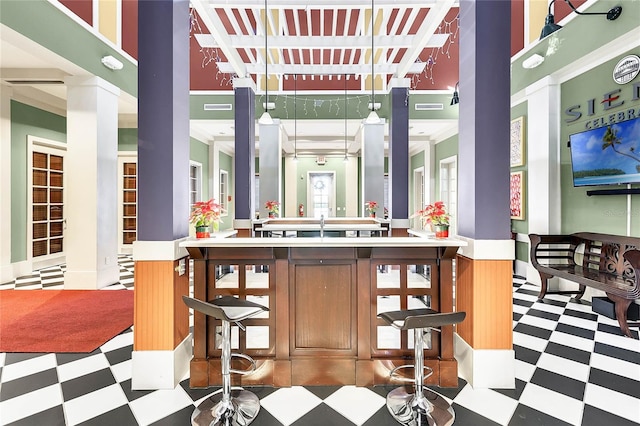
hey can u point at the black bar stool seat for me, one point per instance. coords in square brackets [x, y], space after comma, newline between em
[422, 406]
[227, 407]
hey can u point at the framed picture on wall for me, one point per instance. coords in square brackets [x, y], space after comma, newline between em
[517, 142]
[517, 195]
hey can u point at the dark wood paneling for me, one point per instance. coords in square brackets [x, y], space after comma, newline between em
[323, 315]
[323, 312]
[323, 371]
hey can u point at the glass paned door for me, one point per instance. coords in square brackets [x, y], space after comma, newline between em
[129, 202]
[321, 195]
[47, 219]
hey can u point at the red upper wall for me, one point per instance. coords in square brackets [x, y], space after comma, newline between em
[441, 72]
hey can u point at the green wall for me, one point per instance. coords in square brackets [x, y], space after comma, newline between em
[27, 120]
[601, 213]
[333, 164]
[522, 226]
[127, 139]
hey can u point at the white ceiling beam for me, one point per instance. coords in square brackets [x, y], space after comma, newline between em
[213, 23]
[320, 42]
[322, 4]
[323, 69]
[434, 18]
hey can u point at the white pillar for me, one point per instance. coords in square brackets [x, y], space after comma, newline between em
[543, 154]
[92, 158]
[373, 166]
[6, 273]
[270, 166]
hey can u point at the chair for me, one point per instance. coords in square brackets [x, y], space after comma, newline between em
[423, 406]
[227, 407]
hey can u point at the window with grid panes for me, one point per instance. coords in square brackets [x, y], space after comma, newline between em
[47, 204]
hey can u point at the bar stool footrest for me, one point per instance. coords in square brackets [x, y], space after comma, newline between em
[395, 376]
[250, 370]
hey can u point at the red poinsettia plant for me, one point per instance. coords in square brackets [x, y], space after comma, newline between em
[435, 214]
[204, 213]
[371, 206]
[272, 206]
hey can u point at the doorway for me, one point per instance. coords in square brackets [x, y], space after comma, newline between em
[449, 189]
[46, 200]
[321, 194]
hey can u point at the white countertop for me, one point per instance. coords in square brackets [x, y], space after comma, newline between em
[325, 242]
[316, 227]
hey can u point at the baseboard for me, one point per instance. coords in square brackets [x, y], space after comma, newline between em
[485, 368]
[154, 370]
[10, 272]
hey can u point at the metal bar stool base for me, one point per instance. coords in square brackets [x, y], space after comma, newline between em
[432, 409]
[241, 411]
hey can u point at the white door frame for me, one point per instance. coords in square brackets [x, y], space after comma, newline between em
[419, 195]
[39, 144]
[451, 198]
[332, 203]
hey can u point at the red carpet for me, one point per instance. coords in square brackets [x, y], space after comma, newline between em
[62, 320]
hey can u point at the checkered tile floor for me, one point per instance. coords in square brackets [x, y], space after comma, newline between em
[573, 368]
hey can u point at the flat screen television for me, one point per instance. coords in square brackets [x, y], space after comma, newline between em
[608, 155]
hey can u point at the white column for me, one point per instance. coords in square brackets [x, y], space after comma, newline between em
[291, 189]
[373, 166]
[6, 273]
[92, 156]
[543, 160]
[270, 166]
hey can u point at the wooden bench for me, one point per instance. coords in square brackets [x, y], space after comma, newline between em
[610, 263]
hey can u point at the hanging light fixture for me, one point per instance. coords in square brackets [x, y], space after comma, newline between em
[266, 117]
[345, 159]
[550, 26]
[456, 97]
[295, 118]
[373, 116]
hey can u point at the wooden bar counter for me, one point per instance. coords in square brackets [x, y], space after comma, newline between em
[324, 295]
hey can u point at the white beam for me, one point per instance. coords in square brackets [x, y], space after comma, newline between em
[434, 18]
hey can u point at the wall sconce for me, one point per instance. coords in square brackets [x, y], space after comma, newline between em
[456, 97]
[111, 63]
[550, 26]
[532, 61]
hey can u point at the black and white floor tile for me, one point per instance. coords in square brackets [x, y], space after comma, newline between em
[573, 367]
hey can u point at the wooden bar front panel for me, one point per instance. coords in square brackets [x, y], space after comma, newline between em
[323, 313]
[323, 308]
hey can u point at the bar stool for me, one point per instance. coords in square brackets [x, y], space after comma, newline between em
[423, 406]
[227, 407]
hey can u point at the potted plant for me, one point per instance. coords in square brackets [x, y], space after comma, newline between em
[273, 207]
[371, 207]
[437, 216]
[205, 214]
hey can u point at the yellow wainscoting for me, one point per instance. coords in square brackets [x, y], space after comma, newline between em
[161, 319]
[484, 289]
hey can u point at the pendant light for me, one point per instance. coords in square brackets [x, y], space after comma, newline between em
[345, 159]
[373, 116]
[266, 117]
